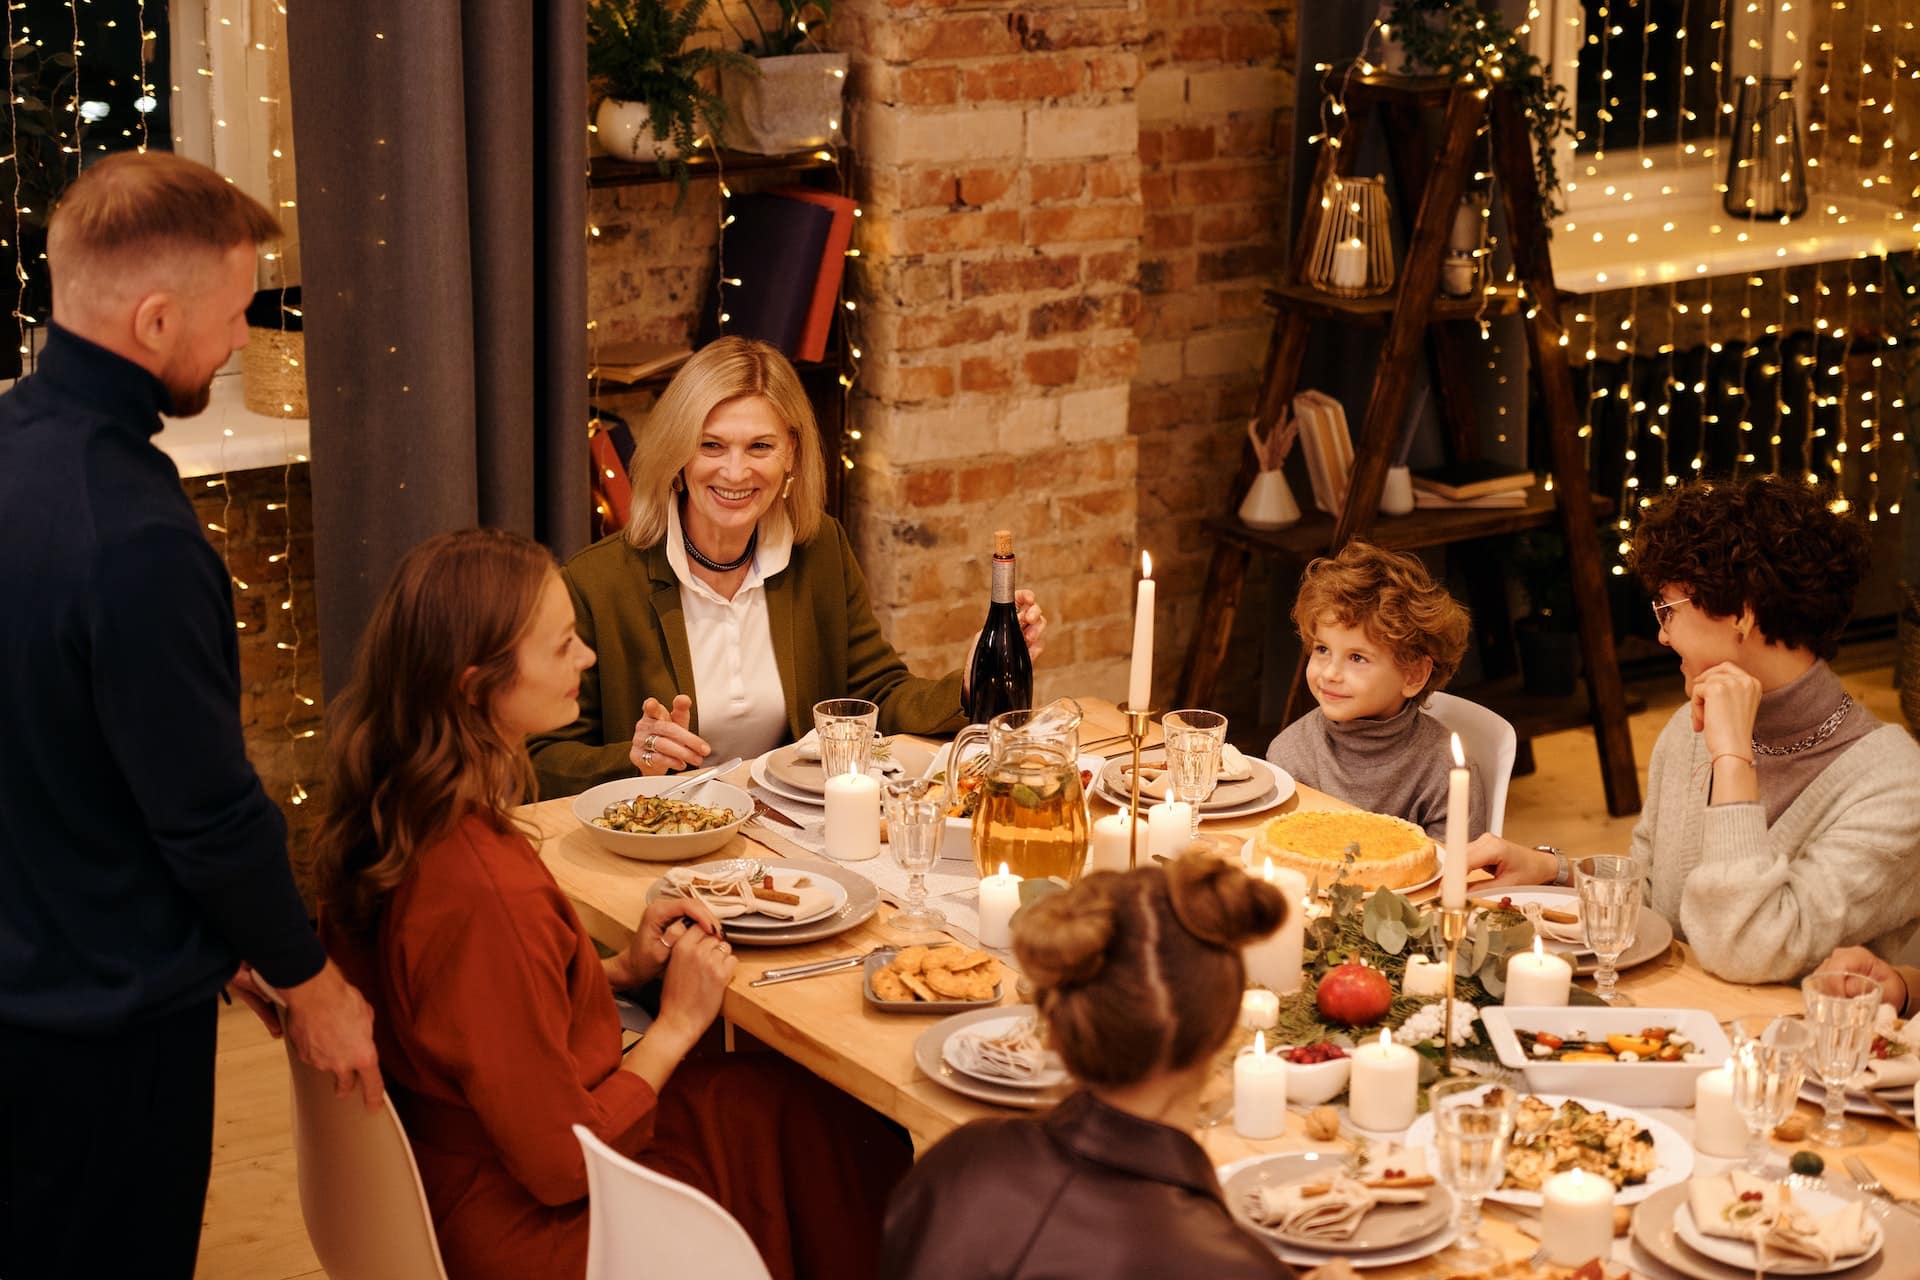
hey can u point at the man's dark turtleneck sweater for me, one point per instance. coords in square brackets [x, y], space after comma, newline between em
[139, 858]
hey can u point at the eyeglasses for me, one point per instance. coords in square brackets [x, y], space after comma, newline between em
[1663, 609]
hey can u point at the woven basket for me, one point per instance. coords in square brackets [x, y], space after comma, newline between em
[273, 373]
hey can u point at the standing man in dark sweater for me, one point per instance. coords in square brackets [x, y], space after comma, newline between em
[141, 864]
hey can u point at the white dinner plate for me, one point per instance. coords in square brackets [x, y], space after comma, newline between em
[1672, 1154]
[862, 900]
[1052, 1075]
[758, 772]
[1651, 938]
[1900, 1099]
[929, 1057]
[1740, 1253]
[783, 878]
[1283, 789]
[1302, 1257]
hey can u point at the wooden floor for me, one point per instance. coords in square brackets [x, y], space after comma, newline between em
[253, 1228]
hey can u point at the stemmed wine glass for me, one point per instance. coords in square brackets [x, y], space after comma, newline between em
[1194, 739]
[916, 821]
[1769, 1061]
[1840, 1013]
[1609, 889]
[1472, 1122]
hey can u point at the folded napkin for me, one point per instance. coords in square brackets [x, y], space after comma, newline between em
[731, 896]
[807, 750]
[1901, 1067]
[1157, 778]
[1738, 1206]
[1553, 931]
[1016, 1055]
[1328, 1209]
[1734, 1205]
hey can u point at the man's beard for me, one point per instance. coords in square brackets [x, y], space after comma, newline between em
[185, 403]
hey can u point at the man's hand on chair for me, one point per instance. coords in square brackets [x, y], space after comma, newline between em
[331, 1027]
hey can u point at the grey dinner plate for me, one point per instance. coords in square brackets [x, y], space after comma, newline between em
[1653, 1235]
[1386, 1227]
[1650, 940]
[928, 1056]
[862, 901]
[809, 777]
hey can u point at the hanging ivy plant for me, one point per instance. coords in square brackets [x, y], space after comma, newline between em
[1457, 38]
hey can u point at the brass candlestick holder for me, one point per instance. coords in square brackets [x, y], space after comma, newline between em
[1453, 927]
[1137, 724]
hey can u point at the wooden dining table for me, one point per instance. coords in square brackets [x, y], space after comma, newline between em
[826, 1025]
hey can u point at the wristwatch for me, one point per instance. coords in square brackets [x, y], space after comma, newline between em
[1562, 874]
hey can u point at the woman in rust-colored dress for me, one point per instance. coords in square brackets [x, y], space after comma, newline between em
[495, 1016]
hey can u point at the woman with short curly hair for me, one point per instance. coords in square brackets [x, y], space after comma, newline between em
[1782, 819]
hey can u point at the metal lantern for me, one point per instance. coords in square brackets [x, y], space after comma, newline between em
[1766, 169]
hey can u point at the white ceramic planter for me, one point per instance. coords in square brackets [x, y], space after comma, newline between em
[625, 131]
[793, 104]
[1269, 503]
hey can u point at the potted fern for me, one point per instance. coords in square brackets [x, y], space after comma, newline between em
[792, 99]
[655, 99]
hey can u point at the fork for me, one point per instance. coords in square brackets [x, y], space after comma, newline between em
[1864, 1178]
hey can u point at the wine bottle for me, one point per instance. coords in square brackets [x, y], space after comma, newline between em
[1001, 678]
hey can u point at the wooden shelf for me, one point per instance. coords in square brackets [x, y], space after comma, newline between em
[1377, 311]
[606, 171]
[1420, 528]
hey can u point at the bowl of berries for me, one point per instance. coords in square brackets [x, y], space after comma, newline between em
[1316, 1072]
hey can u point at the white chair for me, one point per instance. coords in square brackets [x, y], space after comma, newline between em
[359, 1187]
[1489, 742]
[642, 1223]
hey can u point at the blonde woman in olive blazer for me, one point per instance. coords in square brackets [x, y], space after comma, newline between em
[728, 472]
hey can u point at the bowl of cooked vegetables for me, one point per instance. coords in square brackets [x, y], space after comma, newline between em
[628, 816]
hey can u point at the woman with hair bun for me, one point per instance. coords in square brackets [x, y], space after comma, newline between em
[1138, 979]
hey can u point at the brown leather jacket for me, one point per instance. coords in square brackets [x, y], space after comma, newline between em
[1087, 1190]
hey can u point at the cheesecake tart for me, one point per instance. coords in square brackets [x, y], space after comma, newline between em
[1392, 853]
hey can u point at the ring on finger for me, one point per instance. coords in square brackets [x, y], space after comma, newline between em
[646, 760]
[646, 744]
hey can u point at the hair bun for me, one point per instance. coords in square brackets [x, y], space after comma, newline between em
[1218, 902]
[1062, 939]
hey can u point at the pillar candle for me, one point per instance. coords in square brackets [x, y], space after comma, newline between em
[1108, 851]
[1274, 961]
[1718, 1129]
[1453, 869]
[1538, 977]
[1350, 264]
[1169, 827]
[1259, 1092]
[1464, 236]
[1424, 977]
[1576, 1217]
[853, 817]
[1259, 1010]
[999, 899]
[1456, 275]
[1383, 1093]
[1140, 675]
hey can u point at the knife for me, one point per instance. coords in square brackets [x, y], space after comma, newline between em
[767, 813]
[794, 973]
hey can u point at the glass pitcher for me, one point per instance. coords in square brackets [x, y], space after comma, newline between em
[1032, 813]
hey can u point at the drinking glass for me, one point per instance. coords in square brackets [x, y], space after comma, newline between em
[1609, 889]
[1472, 1121]
[916, 821]
[846, 727]
[1840, 1010]
[1769, 1061]
[1194, 739]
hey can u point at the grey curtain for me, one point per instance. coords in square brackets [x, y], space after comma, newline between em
[441, 147]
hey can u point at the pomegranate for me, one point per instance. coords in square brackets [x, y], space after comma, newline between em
[1354, 994]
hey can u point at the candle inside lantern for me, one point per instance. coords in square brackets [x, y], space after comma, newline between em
[1576, 1217]
[1140, 674]
[1259, 1092]
[853, 817]
[1718, 1128]
[1383, 1092]
[1109, 849]
[1274, 961]
[1350, 264]
[999, 899]
[1259, 1010]
[1169, 828]
[1538, 977]
[1453, 866]
[1424, 977]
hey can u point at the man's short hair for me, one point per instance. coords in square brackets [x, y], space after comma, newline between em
[135, 205]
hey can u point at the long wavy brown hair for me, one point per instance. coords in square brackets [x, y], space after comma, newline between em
[411, 745]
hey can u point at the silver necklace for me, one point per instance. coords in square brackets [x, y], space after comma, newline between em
[1814, 739]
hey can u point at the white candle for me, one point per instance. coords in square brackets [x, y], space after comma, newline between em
[1453, 868]
[1259, 1092]
[1456, 275]
[1108, 850]
[1718, 1129]
[1538, 977]
[1259, 1010]
[999, 899]
[1169, 828]
[1383, 1093]
[1464, 236]
[1576, 1217]
[1424, 977]
[853, 817]
[1140, 675]
[1350, 264]
[1274, 961]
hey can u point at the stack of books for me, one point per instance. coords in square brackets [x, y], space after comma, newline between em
[782, 255]
[1326, 446]
[1471, 484]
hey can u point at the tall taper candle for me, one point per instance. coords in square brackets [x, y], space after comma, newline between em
[1140, 675]
[1453, 872]
[1274, 961]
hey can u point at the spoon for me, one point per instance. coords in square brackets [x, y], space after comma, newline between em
[725, 766]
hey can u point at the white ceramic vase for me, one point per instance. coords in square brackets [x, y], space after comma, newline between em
[1269, 503]
[1396, 496]
[624, 131]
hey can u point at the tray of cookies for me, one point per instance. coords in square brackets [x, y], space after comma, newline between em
[945, 978]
